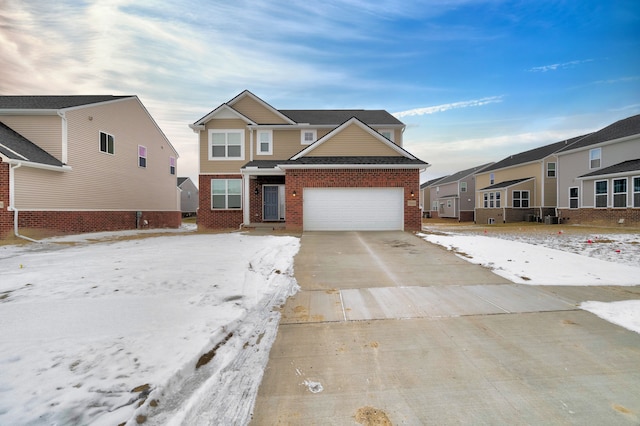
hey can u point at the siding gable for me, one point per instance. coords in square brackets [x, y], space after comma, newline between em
[257, 112]
[353, 141]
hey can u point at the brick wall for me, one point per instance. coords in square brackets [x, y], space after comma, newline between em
[605, 217]
[6, 216]
[297, 180]
[216, 219]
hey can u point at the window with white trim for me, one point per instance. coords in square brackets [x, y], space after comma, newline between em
[226, 144]
[387, 133]
[636, 191]
[434, 206]
[595, 158]
[520, 199]
[551, 170]
[463, 186]
[497, 199]
[485, 200]
[620, 193]
[602, 193]
[226, 194]
[308, 136]
[142, 156]
[107, 143]
[574, 197]
[172, 165]
[265, 142]
[492, 178]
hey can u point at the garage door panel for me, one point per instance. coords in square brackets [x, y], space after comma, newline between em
[353, 209]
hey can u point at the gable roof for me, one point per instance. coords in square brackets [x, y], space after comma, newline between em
[624, 167]
[505, 184]
[431, 182]
[247, 93]
[535, 154]
[339, 116]
[53, 102]
[339, 162]
[622, 128]
[462, 174]
[219, 109]
[14, 146]
[353, 122]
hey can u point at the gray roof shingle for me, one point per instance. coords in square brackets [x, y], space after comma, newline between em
[431, 182]
[16, 147]
[462, 174]
[625, 166]
[337, 117]
[316, 161]
[620, 129]
[53, 102]
[505, 184]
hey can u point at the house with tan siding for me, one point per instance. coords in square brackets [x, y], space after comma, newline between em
[72, 164]
[454, 195]
[520, 187]
[305, 169]
[599, 177]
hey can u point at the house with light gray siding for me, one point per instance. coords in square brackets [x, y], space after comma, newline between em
[454, 197]
[188, 196]
[599, 176]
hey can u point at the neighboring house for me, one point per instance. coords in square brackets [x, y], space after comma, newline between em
[84, 163]
[307, 169]
[425, 197]
[599, 176]
[188, 196]
[520, 187]
[454, 196]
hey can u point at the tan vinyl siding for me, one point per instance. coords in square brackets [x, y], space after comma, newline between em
[257, 112]
[43, 130]
[286, 143]
[550, 184]
[100, 181]
[353, 141]
[223, 166]
[531, 170]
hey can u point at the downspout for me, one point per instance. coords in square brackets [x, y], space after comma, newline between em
[12, 207]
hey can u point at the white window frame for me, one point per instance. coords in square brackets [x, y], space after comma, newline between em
[625, 193]
[498, 199]
[312, 132]
[390, 132]
[485, 200]
[172, 165]
[226, 194]
[226, 132]
[463, 186]
[635, 193]
[259, 142]
[520, 199]
[576, 198]
[605, 194]
[492, 196]
[595, 154]
[113, 143]
[142, 155]
[551, 171]
[492, 178]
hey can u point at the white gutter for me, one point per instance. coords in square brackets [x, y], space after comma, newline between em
[11, 207]
[63, 168]
[421, 167]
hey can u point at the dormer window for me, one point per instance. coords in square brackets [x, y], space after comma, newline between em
[308, 137]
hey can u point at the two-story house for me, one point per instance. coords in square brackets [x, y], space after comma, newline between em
[308, 169]
[428, 210]
[519, 187]
[599, 176]
[455, 195]
[188, 196]
[84, 163]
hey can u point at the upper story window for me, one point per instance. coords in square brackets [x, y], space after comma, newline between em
[265, 142]
[226, 144]
[551, 170]
[492, 179]
[595, 158]
[172, 165]
[308, 136]
[107, 143]
[463, 186]
[142, 156]
[387, 133]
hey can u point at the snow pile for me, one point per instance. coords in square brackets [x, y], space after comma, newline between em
[625, 313]
[164, 329]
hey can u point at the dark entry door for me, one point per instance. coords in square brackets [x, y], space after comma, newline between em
[270, 203]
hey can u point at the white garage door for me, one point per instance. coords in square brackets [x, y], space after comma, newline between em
[353, 209]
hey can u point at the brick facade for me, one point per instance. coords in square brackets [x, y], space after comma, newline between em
[298, 179]
[606, 217]
[6, 216]
[216, 219]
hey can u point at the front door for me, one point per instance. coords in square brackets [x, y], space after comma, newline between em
[271, 204]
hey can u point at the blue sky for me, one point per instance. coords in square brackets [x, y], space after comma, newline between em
[474, 81]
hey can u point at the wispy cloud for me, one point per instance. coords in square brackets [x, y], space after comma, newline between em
[560, 66]
[447, 107]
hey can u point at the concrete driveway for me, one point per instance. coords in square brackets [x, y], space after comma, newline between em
[388, 327]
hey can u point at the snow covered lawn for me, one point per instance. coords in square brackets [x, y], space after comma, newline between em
[97, 330]
[553, 256]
